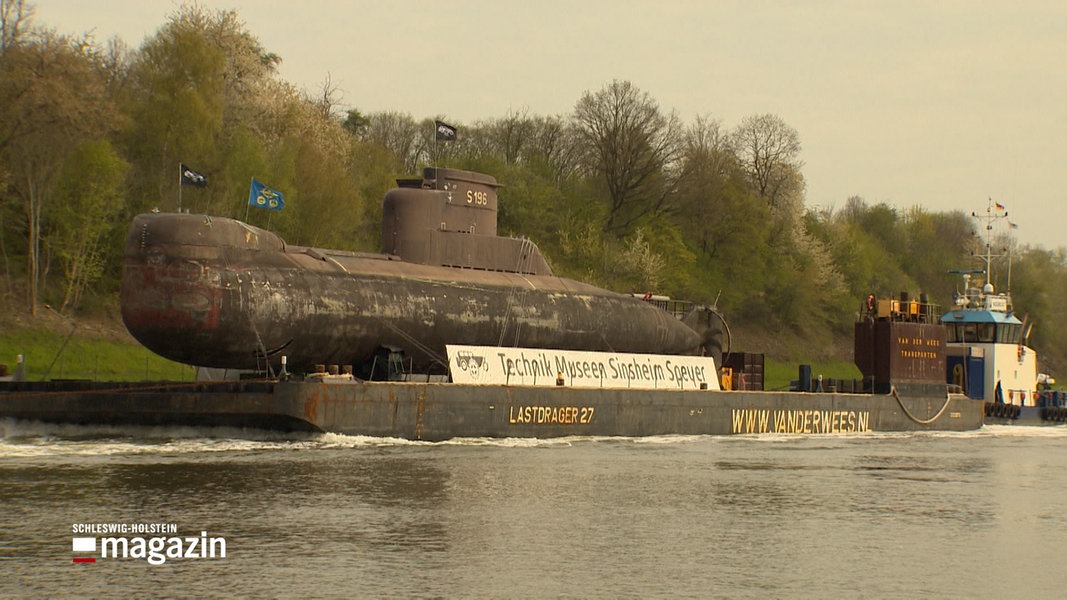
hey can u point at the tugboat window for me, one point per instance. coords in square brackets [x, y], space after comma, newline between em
[955, 333]
[1008, 334]
[985, 332]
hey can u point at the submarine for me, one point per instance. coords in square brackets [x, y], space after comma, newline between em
[217, 292]
[452, 331]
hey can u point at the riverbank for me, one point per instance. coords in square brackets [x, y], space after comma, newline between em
[96, 348]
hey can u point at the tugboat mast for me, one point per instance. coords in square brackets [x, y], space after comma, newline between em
[994, 212]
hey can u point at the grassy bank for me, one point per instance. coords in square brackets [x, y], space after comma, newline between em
[777, 375]
[51, 354]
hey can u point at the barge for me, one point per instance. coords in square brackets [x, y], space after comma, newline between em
[453, 331]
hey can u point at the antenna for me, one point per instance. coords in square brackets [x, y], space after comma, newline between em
[994, 212]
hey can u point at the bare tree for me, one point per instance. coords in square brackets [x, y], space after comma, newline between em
[553, 143]
[509, 137]
[711, 193]
[15, 19]
[708, 151]
[328, 100]
[632, 146]
[396, 132]
[769, 150]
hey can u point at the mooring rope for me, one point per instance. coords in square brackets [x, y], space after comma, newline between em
[948, 399]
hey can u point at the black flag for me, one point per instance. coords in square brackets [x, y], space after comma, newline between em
[191, 177]
[445, 132]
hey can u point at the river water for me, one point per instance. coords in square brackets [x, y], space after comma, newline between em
[931, 515]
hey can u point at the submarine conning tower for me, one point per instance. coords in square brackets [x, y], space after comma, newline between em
[448, 219]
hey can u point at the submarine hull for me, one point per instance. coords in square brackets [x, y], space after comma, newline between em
[217, 292]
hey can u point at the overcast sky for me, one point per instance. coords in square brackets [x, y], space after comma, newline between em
[929, 103]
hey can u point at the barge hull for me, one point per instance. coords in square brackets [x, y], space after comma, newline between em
[440, 411]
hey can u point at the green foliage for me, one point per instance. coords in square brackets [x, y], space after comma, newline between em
[778, 375]
[72, 355]
[53, 97]
[88, 202]
[326, 190]
[860, 255]
[1038, 283]
[227, 192]
[175, 105]
[619, 193]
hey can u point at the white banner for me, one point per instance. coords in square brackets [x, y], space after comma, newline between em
[489, 365]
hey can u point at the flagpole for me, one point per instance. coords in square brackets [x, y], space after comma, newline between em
[247, 204]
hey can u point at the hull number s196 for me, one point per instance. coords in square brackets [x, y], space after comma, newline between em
[477, 198]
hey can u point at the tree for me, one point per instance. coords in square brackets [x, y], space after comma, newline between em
[201, 79]
[509, 137]
[632, 147]
[53, 96]
[769, 151]
[355, 123]
[711, 196]
[175, 104]
[935, 244]
[858, 251]
[88, 200]
[15, 18]
[399, 134]
[1039, 282]
[328, 101]
[553, 149]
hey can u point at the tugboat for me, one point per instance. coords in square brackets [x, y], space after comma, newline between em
[988, 356]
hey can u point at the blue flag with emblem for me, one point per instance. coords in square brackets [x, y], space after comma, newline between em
[264, 197]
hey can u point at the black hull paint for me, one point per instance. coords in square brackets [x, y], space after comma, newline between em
[434, 412]
[1009, 414]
